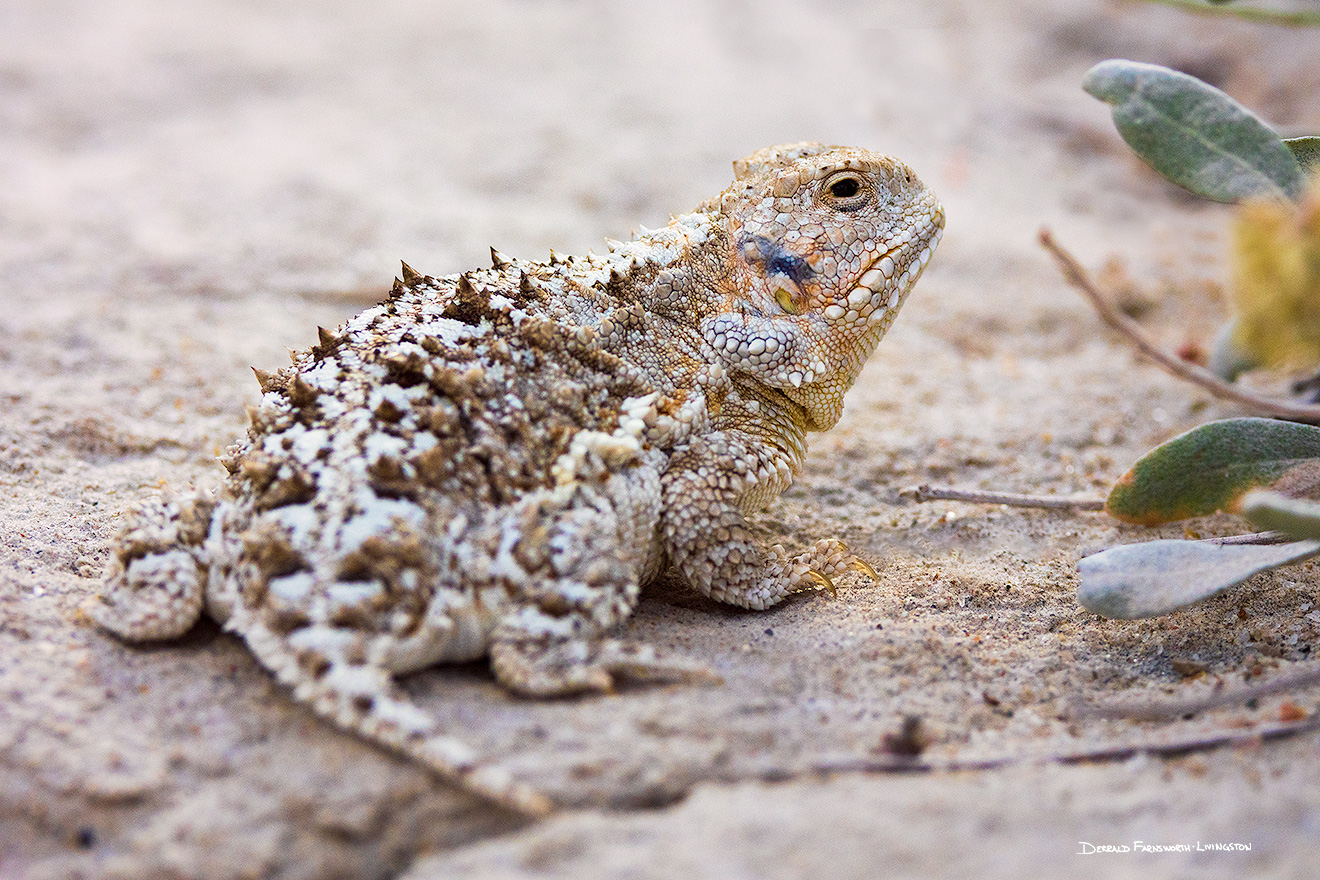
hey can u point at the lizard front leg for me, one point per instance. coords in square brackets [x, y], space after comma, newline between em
[155, 584]
[596, 546]
[707, 536]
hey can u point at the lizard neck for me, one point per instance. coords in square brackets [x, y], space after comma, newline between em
[778, 426]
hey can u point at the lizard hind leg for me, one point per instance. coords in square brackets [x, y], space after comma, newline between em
[561, 668]
[155, 581]
[363, 698]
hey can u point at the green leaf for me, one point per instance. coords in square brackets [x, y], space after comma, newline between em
[1194, 134]
[1277, 511]
[1210, 468]
[1147, 580]
[1306, 150]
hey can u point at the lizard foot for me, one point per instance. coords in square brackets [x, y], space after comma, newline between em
[815, 570]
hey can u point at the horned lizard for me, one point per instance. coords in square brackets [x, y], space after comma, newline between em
[494, 463]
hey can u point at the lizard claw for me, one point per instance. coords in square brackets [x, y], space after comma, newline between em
[825, 583]
[857, 563]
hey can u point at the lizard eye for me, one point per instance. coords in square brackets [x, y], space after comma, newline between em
[845, 191]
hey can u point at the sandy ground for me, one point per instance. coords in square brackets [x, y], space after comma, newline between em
[188, 189]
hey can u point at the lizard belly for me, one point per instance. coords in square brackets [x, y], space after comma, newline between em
[462, 635]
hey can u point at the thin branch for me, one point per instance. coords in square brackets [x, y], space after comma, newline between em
[1261, 538]
[1114, 751]
[1247, 13]
[1077, 277]
[931, 493]
[1152, 710]
[926, 492]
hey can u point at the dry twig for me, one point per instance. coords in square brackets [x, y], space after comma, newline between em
[1153, 710]
[931, 493]
[1266, 406]
[1251, 538]
[1114, 751]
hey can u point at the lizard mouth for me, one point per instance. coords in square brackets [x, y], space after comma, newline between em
[889, 277]
[886, 280]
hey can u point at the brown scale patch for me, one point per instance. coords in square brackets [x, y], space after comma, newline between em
[388, 412]
[539, 333]
[258, 469]
[554, 604]
[624, 285]
[297, 487]
[382, 558]
[406, 369]
[265, 418]
[669, 404]
[461, 385]
[328, 343]
[268, 547]
[313, 662]
[630, 317]
[500, 352]
[136, 544]
[389, 478]
[527, 293]
[468, 304]
[435, 465]
[278, 382]
[274, 482]
[508, 475]
[594, 358]
[285, 618]
[470, 474]
[443, 352]
[442, 419]
[489, 464]
[303, 397]
[536, 407]
[482, 385]
[532, 549]
[194, 521]
[361, 616]
[568, 396]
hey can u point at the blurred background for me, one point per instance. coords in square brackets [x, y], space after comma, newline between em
[189, 189]
[288, 145]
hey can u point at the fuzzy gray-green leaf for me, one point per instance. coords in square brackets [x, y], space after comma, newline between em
[1147, 580]
[1274, 510]
[1194, 134]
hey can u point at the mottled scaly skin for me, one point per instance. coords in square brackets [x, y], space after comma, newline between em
[494, 463]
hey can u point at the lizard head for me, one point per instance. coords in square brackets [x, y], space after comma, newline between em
[826, 244]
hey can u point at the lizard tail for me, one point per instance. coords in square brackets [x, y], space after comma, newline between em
[363, 698]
